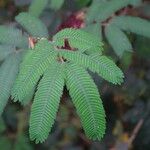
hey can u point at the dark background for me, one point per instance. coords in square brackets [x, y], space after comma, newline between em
[127, 106]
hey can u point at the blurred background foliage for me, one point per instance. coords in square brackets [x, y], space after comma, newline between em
[127, 106]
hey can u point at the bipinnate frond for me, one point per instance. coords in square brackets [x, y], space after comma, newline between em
[54, 67]
[93, 10]
[117, 39]
[86, 99]
[12, 36]
[6, 50]
[100, 64]
[32, 68]
[133, 24]
[8, 73]
[46, 102]
[32, 25]
[105, 9]
[27, 99]
[95, 29]
[78, 39]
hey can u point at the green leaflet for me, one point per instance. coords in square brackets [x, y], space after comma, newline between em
[95, 29]
[56, 4]
[102, 65]
[133, 24]
[93, 10]
[33, 25]
[5, 50]
[12, 36]
[27, 99]
[107, 68]
[8, 72]
[107, 9]
[86, 99]
[32, 68]
[104, 10]
[46, 102]
[100, 11]
[77, 39]
[37, 7]
[117, 39]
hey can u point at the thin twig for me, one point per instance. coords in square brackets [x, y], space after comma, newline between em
[135, 132]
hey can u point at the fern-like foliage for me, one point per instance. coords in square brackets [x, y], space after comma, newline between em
[12, 40]
[12, 36]
[35, 63]
[32, 25]
[6, 50]
[8, 72]
[46, 102]
[78, 39]
[93, 10]
[105, 13]
[13, 43]
[57, 67]
[37, 7]
[54, 65]
[100, 64]
[103, 10]
[95, 29]
[27, 99]
[117, 39]
[86, 99]
[133, 24]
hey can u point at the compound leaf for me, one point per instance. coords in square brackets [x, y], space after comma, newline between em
[100, 11]
[78, 39]
[5, 50]
[12, 36]
[93, 10]
[32, 68]
[95, 29]
[33, 25]
[46, 102]
[133, 24]
[27, 99]
[117, 39]
[86, 99]
[102, 65]
[8, 72]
